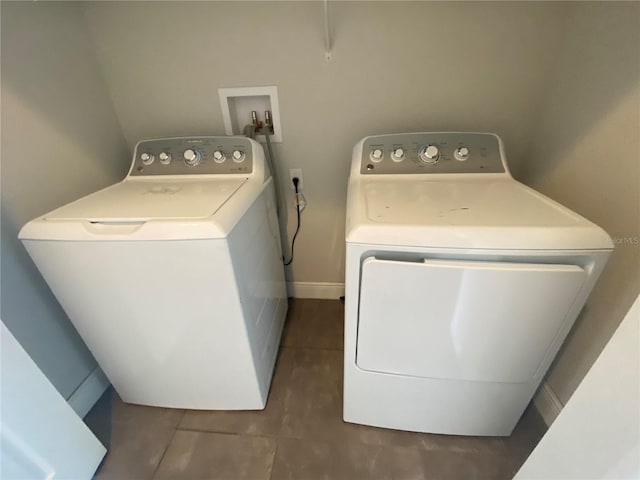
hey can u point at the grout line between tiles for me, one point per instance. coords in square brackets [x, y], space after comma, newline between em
[231, 434]
[311, 348]
[273, 462]
[175, 430]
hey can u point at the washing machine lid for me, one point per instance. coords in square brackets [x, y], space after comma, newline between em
[138, 200]
[465, 213]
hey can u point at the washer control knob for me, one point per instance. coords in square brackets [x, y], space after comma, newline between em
[238, 156]
[461, 154]
[191, 157]
[165, 158]
[219, 157]
[147, 158]
[376, 155]
[398, 154]
[429, 154]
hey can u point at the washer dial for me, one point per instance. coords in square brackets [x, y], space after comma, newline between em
[219, 156]
[238, 156]
[147, 158]
[165, 158]
[398, 154]
[461, 154]
[429, 154]
[191, 157]
[376, 155]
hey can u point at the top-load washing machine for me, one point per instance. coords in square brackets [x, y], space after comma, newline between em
[173, 277]
[461, 284]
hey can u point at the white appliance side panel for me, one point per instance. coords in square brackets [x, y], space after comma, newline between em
[255, 253]
[462, 320]
[162, 318]
[41, 437]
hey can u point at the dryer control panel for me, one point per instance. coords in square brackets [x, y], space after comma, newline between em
[192, 156]
[431, 153]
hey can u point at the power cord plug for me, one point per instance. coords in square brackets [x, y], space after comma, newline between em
[299, 200]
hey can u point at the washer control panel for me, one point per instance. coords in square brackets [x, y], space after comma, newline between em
[431, 153]
[192, 156]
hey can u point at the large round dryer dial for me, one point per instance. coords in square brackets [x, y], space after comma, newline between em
[429, 154]
[191, 157]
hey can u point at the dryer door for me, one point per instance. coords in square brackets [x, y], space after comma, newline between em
[468, 320]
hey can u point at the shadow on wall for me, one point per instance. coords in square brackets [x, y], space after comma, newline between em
[60, 140]
[49, 70]
[35, 317]
[49, 159]
[15, 257]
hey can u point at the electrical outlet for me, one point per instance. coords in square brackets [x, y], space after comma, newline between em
[296, 172]
[300, 202]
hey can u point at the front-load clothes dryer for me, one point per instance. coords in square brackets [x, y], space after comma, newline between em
[461, 284]
[173, 277]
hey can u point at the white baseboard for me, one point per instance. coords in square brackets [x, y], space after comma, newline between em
[315, 290]
[89, 391]
[547, 404]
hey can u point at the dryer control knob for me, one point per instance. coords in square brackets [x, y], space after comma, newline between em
[397, 155]
[165, 158]
[429, 154]
[147, 158]
[461, 154]
[219, 157]
[191, 157]
[238, 156]
[376, 155]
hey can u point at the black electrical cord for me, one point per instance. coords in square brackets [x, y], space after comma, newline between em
[293, 241]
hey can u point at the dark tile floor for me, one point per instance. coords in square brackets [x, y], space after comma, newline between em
[301, 435]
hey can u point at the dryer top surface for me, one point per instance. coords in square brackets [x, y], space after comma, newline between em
[464, 203]
[464, 213]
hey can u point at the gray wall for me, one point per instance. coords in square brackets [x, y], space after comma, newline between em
[60, 140]
[397, 67]
[585, 153]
